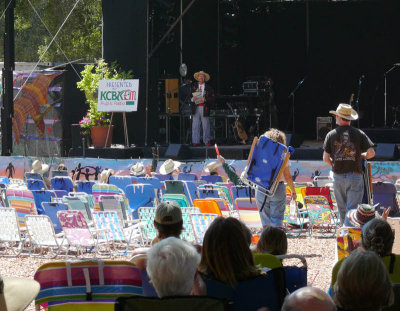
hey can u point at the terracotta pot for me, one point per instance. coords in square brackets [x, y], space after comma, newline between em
[99, 136]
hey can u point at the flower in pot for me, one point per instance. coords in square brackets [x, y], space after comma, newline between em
[97, 123]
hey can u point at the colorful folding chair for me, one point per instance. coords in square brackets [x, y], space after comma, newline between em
[11, 237]
[207, 206]
[79, 204]
[200, 223]
[23, 202]
[104, 189]
[178, 198]
[116, 203]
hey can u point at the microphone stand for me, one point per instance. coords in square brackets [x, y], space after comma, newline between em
[385, 94]
[292, 95]
[360, 81]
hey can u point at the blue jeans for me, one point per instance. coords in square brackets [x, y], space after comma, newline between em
[349, 191]
[274, 207]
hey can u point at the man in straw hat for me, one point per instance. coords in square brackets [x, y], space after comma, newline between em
[344, 148]
[203, 97]
[17, 293]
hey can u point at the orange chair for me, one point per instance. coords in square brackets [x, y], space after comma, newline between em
[207, 206]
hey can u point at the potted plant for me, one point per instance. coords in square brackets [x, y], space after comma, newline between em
[97, 123]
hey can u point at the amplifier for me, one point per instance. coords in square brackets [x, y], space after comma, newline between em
[255, 87]
[168, 96]
[324, 126]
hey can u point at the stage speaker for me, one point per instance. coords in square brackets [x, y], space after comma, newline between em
[324, 126]
[294, 140]
[178, 152]
[168, 90]
[386, 152]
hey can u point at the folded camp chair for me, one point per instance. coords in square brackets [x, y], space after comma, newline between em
[62, 183]
[50, 209]
[92, 283]
[117, 235]
[77, 233]
[295, 275]
[139, 195]
[178, 303]
[23, 202]
[11, 237]
[248, 212]
[85, 186]
[200, 223]
[320, 215]
[35, 184]
[208, 206]
[42, 235]
[267, 290]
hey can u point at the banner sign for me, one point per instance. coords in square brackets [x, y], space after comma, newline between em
[118, 95]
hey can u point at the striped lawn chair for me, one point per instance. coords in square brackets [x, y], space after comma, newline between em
[200, 223]
[116, 203]
[181, 199]
[104, 189]
[79, 204]
[11, 237]
[73, 284]
[248, 212]
[23, 202]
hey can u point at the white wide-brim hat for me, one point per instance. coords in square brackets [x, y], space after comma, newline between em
[205, 74]
[346, 112]
[169, 166]
[17, 293]
[38, 167]
[211, 167]
[105, 174]
[138, 169]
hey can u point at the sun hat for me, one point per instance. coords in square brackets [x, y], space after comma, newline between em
[138, 169]
[211, 167]
[38, 167]
[105, 175]
[346, 112]
[169, 166]
[168, 213]
[361, 215]
[201, 72]
[17, 293]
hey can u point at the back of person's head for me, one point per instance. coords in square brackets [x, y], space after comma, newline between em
[168, 219]
[226, 255]
[377, 236]
[171, 266]
[273, 240]
[276, 135]
[363, 283]
[308, 298]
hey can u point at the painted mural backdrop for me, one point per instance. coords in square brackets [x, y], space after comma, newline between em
[302, 171]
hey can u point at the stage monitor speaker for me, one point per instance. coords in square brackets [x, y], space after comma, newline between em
[169, 95]
[324, 126]
[178, 152]
[294, 140]
[386, 152]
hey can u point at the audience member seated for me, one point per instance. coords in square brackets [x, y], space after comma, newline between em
[172, 268]
[226, 255]
[308, 298]
[212, 169]
[363, 283]
[273, 240]
[377, 236]
[43, 170]
[168, 222]
[138, 170]
[229, 170]
[361, 215]
[171, 168]
[17, 293]
[105, 175]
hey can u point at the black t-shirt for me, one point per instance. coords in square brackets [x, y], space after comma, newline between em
[345, 145]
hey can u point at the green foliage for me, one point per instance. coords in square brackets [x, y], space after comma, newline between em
[91, 75]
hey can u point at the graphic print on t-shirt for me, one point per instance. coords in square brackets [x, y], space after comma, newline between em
[345, 149]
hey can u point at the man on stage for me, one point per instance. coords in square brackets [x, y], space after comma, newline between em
[344, 149]
[202, 97]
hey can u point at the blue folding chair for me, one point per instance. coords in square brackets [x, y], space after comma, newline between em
[59, 194]
[139, 195]
[62, 183]
[211, 179]
[163, 177]
[207, 191]
[122, 181]
[242, 192]
[296, 276]
[267, 290]
[35, 184]
[4, 180]
[41, 196]
[50, 209]
[187, 176]
[85, 186]
[188, 188]
[36, 176]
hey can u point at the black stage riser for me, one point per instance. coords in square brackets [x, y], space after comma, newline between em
[383, 135]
